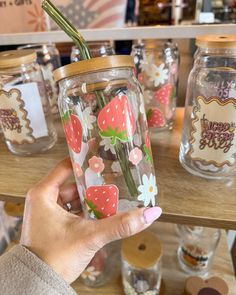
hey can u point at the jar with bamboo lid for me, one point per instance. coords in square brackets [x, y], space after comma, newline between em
[102, 112]
[208, 146]
[141, 264]
[25, 115]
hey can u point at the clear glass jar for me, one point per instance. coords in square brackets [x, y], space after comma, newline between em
[141, 264]
[25, 115]
[157, 65]
[96, 49]
[208, 146]
[196, 249]
[48, 58]
[102, 111]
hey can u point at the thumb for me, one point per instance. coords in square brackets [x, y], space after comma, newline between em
[125, 224]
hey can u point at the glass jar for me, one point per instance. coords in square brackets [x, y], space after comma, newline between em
[102, 111]
[208, 146]
[96, 49]
[25, 115]
[141, 264]
[48, 58]
[196, 249]
[157, 71]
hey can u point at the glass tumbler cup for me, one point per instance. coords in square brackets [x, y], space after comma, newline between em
[157, 71]
[196, 249]
[25, 115]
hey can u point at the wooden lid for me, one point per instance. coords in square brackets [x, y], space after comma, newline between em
[93, 65]
[14, 209]
[142, 250]
[15, 58]
[216, 41]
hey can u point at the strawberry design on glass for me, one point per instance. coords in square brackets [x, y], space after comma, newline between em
[102, 200]
[116, 120]
[164, 94]
[147, 149]
[155, 118]
[73, 131]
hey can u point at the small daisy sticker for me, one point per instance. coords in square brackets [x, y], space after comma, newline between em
[158, 75]
[88, 119]
[90, 273]
[106, 142]
[148, 190]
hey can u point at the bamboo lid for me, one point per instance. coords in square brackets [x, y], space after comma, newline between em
[93, 65]
[14, 209]
[143, 250]
[216, 41]
[15, 58]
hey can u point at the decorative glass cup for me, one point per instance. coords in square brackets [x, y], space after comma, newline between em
[196, 250]
[48, 58]
[102, 111]
[157, 71]
[141, 264]
[25, 114]
[208, 146]
[96, 48]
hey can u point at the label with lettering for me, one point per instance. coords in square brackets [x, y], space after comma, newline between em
[21, 113]
[213, 136]
[13, 117]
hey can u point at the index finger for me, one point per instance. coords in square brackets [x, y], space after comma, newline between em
[58, 175]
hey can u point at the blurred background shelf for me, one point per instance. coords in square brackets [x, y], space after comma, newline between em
[184, 198]
[129, 33]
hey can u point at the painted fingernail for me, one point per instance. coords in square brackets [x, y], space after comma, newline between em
[151, 214]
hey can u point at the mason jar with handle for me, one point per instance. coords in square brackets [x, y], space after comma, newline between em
[208, 146]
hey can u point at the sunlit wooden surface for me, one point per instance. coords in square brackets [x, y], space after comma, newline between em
[184, 198]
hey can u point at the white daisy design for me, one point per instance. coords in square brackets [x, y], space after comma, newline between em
[88, 119]
[90, 273]
[148, 190]
[115, 167]
[147, 62]
[106, 142]
[158, 74]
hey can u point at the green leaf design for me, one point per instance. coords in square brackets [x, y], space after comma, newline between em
[173, 94]
[149, 114]
[66, 117]
[93, 207]
[114, 134]
[148, 154]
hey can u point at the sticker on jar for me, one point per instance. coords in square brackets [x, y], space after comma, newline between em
[21, 113]
[213, 136]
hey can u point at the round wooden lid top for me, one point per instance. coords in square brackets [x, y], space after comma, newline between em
[15, 58]
[216, 41]
[93, 65]
[142, 250]
[14, 209]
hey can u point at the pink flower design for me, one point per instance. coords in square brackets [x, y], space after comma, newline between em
[140, 78]
[173, 69]
[78, 170]
[147, 140]
[96, 164]
[135, 156]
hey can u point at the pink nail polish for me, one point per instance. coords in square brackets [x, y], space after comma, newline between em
[151, 214]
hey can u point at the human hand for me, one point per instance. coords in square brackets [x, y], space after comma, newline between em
[65, 241]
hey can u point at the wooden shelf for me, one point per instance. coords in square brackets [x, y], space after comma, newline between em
[130, 33]
[173, 277]
[183, 197]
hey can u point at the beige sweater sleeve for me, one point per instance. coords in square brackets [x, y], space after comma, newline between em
[22, 272]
